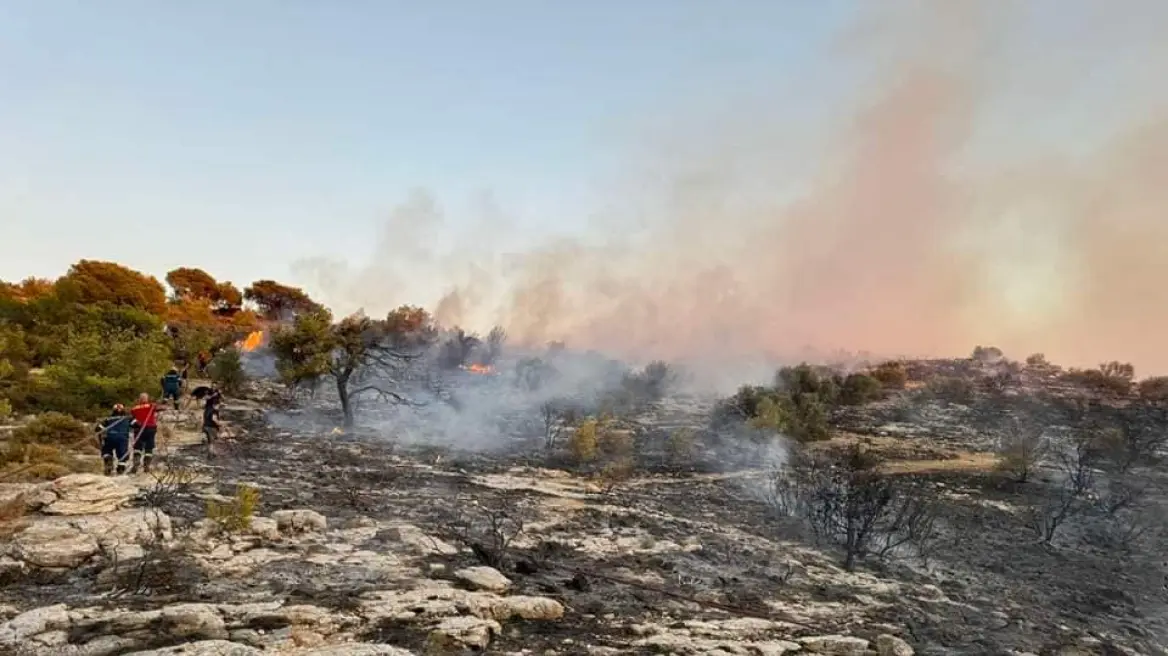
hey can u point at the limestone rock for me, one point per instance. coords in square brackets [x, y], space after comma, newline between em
[835, 645]
[203, 648]
[418, 541]
[456, 633]
[528, 608]
[193, 621]
[89, 494]
[353, 649]
[300, 520]
[483, 578]
[264, 527]
[39, 620]
[54, 544]
[890, 645]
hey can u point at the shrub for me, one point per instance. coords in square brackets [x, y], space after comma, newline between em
[234, 516]
[858, 389]
[805, 379]
[12, 517]
[1021, 450]
[952, 389]
[227, 370]
[53, 428]
[847, 501]
[583, 443]
[97, 370]
[892, 374]
[680, 448]
[1037, 361]
[1154, 389]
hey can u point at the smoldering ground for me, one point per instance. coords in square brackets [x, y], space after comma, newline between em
[980, 172]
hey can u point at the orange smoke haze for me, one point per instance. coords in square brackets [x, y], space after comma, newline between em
[996, 176]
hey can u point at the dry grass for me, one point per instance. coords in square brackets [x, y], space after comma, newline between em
[901, 456]
[11, 517]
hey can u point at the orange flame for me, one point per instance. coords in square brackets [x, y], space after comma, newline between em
[478, 368]
[252, 341]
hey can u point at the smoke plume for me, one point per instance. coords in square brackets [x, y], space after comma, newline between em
[994, 173]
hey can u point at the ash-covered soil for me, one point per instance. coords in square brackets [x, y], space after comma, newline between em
[363, 545]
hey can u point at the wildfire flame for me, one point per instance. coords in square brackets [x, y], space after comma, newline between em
[252, 341]
[478, 368]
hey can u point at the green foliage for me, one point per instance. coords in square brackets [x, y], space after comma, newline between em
[797, 410]
[97, 370]
[235, 515]
[584, 442]
[227, 370]
[858, 389]
[46, 447]
[304, 350]
[277, 301]
[91, 281]
[54, 428]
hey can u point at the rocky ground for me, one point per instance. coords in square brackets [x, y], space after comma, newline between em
[360, 545]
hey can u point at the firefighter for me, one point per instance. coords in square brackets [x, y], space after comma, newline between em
[145, 414]
[172, 386]
[114, 435]
[211, 426]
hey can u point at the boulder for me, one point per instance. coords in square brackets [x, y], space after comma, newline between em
[890, 645]
[483, 578]
[193, 622]
[36, 621]
[54, 544]
[89, 494]
[458, 633]
[353, 649]
[264, 527]
[301, 520]
[417, 541]
[203, 648]
[528, 608]
[835, 645]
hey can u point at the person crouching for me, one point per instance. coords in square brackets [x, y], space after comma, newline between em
[114, 432]
[145, 414]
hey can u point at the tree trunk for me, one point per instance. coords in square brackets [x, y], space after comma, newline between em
[346, 402]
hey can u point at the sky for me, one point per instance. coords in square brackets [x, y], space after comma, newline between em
[649, 177]
[237, 136]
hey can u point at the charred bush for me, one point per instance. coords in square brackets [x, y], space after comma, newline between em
[1021, 449]
[952, 390]
[488, 531]
[849, 502]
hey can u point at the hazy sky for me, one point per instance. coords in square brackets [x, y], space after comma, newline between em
[240, 135]
[903, 176]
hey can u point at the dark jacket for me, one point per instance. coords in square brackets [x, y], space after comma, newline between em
[172, 381]
[116, 427]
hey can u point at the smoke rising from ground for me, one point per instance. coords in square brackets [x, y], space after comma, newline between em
[997, 174]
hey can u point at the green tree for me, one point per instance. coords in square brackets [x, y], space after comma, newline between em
[91, 281]
[276, 301]
[97, 370]
[362, 356]
[226, 369]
